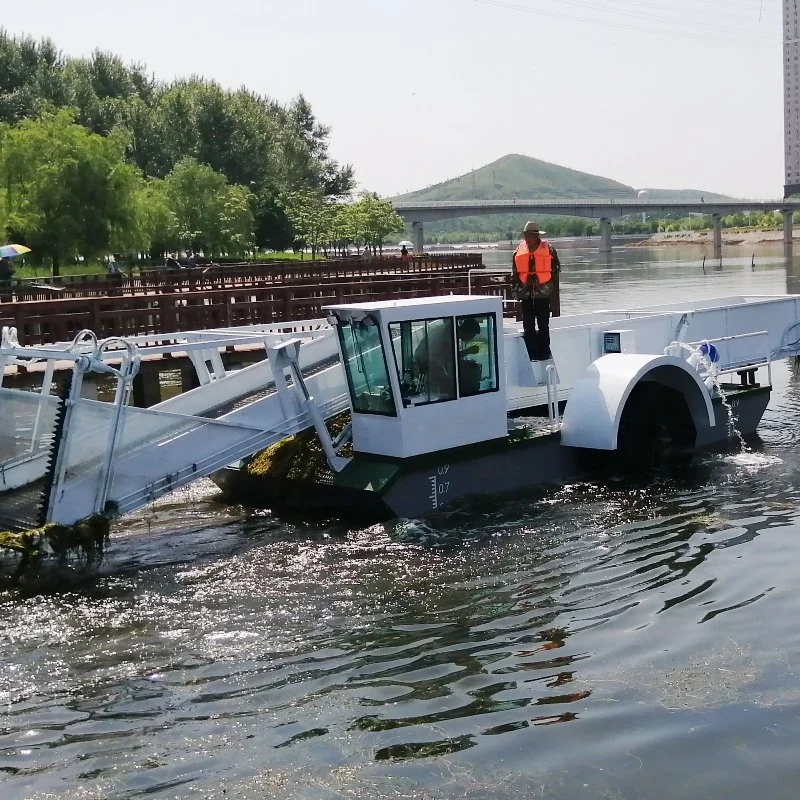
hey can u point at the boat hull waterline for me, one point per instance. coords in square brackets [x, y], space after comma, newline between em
[383, 488]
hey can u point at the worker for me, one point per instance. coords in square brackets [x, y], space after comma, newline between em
[535, 263]
[433, 362]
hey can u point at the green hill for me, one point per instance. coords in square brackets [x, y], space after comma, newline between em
[524, 178]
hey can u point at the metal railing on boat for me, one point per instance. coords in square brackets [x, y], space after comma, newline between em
[730, 362]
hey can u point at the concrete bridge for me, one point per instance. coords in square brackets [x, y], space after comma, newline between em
[605, 210]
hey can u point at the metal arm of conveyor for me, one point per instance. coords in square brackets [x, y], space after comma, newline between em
[285, 356]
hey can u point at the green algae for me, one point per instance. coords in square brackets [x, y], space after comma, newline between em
[86, 540]
[298, 457]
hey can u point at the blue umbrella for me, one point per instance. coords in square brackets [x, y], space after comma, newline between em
[13, 250]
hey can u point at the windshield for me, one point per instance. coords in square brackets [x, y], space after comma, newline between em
[365, 366]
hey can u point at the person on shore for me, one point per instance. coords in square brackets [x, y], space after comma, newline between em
[171, 262]
[114, 274]
[192, 262]
[6, 270]
[6, 274]
[534, 265]
[404, 253]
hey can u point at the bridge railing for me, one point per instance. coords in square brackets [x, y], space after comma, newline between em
[598, 201]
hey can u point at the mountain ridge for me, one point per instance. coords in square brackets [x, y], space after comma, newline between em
[524, 177]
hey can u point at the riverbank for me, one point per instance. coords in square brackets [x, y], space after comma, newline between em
[730, 236]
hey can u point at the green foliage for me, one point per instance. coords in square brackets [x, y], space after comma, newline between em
[31, 78]
[279, 256]
[322, 224]
[204, 212]
[24, 271]
[267, 148]
[68, 191]
[251, 140]
[158, 218]
[312, 216]
[371, 220]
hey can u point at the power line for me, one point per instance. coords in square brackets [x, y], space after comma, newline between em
[719, 32]
[691, 13]
[685, 31]
[646, 17]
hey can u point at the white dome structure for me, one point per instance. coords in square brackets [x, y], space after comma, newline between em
[643, 194]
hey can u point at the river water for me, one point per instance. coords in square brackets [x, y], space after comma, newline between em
[603, 640]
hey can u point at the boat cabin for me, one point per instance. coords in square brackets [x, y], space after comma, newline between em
[424, 374]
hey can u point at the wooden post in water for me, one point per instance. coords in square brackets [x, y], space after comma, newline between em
[147, 388]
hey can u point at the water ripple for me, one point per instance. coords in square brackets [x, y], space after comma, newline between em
[442, 653]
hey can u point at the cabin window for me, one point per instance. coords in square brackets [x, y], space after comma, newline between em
[441, 359]
[365, 367]
[477, 354]
[425, 356]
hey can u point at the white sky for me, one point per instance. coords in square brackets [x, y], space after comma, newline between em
[661, 93]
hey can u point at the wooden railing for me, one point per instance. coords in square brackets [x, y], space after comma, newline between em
[231, 276]
[174, 308]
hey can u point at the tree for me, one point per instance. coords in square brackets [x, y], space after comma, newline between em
[375, 219]
[158, 219]
[269, 148]
[311, 214]
[272, 227]
[69, 192]
[321, 171]
[236, 220]
[145, 141]
[31, 78]
[207, 212]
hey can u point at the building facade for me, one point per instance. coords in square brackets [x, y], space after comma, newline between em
[791, 96]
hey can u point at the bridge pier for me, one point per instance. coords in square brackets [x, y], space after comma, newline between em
[787, 232]
[717, 235]
[418, 236]
[605, 235]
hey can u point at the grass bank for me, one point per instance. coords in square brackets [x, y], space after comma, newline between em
[25, 270]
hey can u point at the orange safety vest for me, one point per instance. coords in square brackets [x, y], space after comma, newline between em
[542, 262]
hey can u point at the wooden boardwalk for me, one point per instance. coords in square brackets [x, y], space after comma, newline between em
[162, 302]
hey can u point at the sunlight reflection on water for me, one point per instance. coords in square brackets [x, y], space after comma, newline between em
[580, 642]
